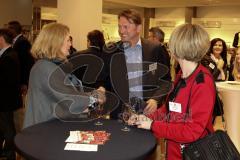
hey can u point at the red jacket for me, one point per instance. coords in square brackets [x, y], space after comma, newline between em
[177, 131]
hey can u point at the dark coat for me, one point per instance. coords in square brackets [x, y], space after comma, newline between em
[10, 96]
[101, 78]
[23, 47]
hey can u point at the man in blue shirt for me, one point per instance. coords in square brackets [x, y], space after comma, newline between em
[141, 62]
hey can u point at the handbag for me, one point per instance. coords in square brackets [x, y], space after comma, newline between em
[214, 146]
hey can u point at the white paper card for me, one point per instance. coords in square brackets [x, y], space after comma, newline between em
[152, 67]
[211, 65]
[175, 107]
[81, 147]
[75, 136]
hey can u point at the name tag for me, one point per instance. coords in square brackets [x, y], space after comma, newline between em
[152, 67]
[175, 107]
[211, 65]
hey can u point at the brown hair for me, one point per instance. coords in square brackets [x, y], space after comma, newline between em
[131, 15]
[96, 38]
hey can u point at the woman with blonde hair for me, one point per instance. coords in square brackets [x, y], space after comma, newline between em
[187, 114]
[53, 91]
[236, 66]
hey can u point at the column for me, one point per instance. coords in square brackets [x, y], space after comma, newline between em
[190, 12]
[81, 16]
[148, 13]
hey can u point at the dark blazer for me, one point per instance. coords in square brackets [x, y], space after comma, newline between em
[23, 47]
[10, 97]
[151, 53]
[236, 40]
[101, 79]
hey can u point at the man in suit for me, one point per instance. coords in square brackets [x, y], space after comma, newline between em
[10, 97]
[95, 43]
[23, 47]
[156, 35]
[135, 52]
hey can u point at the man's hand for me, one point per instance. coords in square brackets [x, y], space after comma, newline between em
[151, 106]
[101, 95]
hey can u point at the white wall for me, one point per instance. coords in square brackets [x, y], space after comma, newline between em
[20, 10]
[81, 16]
[170, 13]
[218, 12]
[228, 16]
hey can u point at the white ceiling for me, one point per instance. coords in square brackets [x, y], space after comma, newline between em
[168, 3]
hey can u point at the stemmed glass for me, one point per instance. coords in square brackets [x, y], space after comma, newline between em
[127, 111]
[99, 109]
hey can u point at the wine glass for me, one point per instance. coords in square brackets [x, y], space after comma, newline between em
[99, 109]
[127, 111]
[138, 104]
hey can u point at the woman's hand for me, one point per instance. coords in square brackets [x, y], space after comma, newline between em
[101, 95]
[144, 122]
[132, 120]
[220, 64]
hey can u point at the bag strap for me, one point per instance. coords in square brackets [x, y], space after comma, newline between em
[221, 111]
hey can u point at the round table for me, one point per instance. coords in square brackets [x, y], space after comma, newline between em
[230, 93]
[46, 141]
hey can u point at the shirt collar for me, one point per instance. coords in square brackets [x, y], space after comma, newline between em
[139, 43]
[3, 50]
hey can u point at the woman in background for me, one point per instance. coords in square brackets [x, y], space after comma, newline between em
[51, 84]
[216, 59]
[236, 66]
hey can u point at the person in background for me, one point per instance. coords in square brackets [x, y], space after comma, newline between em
[95, 44]
[216, 59]
[51, 82]
[236, 66]
[232, 52]
[10, 96]
[187, 114]
[23, 47]
[95, 40]
[72, 49]
[156, 35]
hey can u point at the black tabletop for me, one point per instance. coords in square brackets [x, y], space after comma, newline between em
[46, 141]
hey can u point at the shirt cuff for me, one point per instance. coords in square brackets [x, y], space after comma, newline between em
[92, 100]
